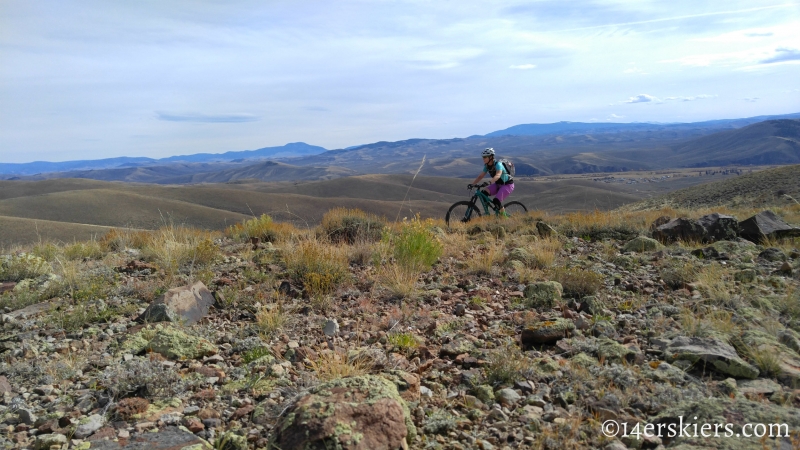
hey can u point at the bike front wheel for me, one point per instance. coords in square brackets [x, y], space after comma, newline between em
[515, 209]
[461, 212]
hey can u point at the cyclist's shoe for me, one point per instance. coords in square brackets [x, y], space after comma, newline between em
[504, 214]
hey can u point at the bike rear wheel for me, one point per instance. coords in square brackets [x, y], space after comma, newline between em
[461, 212]
[515, 209]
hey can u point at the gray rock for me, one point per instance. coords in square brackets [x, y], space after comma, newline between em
[719, 227]
[460, 309]
[331, 328]
[5, 386]
[26, 416]
[761, 386]
[712, 353]
[89, 426]
[185, 305]
[507, 396]
[545, 230]
[680, 229]
[165, 439]
[764, 226]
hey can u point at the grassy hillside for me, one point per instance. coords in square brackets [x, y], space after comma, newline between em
[758, 189]
[115, 208]
[18, 230]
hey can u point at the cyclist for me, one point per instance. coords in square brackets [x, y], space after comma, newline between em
[502, 183]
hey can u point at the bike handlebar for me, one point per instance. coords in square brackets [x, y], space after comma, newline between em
[482, 185]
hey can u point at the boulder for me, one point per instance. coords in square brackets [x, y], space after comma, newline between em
[89, 425]
[407, 384]
[642, 244]
[45, 441]
[710, 352]
[719, 227]
[357, 413]
[787, 360]
[546, 332]
[764, 226]
[680, 229]
[185, 305]
[544, 294]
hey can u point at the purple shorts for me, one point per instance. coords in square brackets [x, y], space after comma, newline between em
[500, 191]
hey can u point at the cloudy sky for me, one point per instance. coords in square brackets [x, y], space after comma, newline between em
[94, 79]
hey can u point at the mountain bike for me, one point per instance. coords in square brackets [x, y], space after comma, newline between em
[465, 210]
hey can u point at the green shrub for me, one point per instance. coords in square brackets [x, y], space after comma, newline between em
[21, 266]
[351, 226]
[415, 247]
[577, 282]
[83, 250]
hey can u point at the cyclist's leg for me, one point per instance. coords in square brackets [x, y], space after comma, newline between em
[502, 193]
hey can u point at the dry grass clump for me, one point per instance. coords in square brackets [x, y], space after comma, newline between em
[351, 226]
[173, 247]
[318, 266]
[714, 282]
[272, 318]
[577, 282]
[400, 281]
[333, 365]
[543, 252]
[507, 365]
[119, 239]
[258, 227]
[484, 258]
[678, 274]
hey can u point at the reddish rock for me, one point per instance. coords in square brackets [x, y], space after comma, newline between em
[103, 433]
[5, 386]
[206, 394]
[376, 417]
[242, 412]
[208, 371]
[193, 424]
[7, 286]
[208, 413]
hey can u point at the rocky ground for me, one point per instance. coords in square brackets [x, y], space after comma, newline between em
[562, 333]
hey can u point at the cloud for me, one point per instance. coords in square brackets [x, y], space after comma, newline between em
[206, 118]
[523, 66]
[689, 99]
[751, 99]
[759, 34]
[613, 116]
[641, 98]
[782, 54]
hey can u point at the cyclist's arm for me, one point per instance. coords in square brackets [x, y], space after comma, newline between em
[480, 177]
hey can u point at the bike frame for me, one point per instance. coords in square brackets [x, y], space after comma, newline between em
[486, 201]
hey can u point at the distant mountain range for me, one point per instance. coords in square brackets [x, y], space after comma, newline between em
[294, 149]
[537, 149]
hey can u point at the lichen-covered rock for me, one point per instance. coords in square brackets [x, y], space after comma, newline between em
[45, 441]
[642, 244]
[407, 384]
[359, 413]
[459, 345]
[713, 353]
[169, 342]
[544, 294]
[546, 332]
[545, 230]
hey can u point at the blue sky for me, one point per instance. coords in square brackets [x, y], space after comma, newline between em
[95, 79]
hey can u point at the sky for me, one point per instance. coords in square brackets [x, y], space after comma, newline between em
[97, 79]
